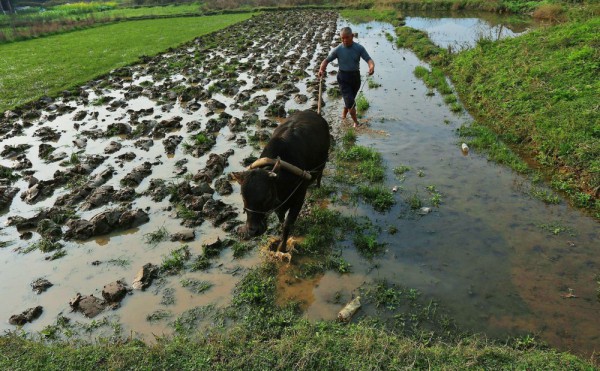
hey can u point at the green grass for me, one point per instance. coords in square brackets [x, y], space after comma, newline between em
[359, 163]
[367, 15]
[419, 42]
[154, 238]
[368, 245]
[175, 260]
[539, 92]
[334, 92]
[46, 66]
[305, 345]
[195, 286]
[481, 137]
[380, 197]
[373, 84]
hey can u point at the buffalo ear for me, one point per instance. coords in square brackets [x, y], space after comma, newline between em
[239, 176]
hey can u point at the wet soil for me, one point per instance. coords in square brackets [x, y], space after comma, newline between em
[90, 175]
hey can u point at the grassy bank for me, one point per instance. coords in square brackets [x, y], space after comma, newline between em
[539, 93]
[300, 346]
[536, 93]
[35, 68]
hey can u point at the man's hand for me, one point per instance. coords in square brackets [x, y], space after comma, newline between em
[321, 73]
[371, 70]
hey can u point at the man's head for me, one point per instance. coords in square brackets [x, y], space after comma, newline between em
[347, 36]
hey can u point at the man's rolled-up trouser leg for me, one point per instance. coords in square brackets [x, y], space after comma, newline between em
[349, 82]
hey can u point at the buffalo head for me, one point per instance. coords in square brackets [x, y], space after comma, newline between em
[259, 194]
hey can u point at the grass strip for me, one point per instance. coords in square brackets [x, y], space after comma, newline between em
[539, 92]
[44, 67]
[322, 345]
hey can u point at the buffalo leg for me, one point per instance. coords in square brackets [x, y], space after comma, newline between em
[289, 222]
[281, 215]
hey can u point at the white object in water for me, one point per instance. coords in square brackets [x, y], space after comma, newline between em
[348, 311]
[465, 148]
[424, 210]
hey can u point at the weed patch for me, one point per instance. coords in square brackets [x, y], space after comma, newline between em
[175, 261]
[381, 198]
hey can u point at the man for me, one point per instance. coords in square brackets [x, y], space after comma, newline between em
[348, 54]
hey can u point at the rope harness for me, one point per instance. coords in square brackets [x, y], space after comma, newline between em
[320, 93]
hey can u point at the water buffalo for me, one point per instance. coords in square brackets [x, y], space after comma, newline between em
[277, 182]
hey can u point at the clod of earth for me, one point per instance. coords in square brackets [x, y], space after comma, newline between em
[29, 315]
[40, 285]
[171, 143]
[89, 305]
[7, 194]
[114, 292]
[184, 236]
[223, 186]
[105, 222]
[143, 279]
[112, 147]
[214, 167]
[135, 177]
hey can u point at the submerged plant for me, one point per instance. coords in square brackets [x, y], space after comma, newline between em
[154, 238]
[367, 244]
[378, 196]
[196, 286]
[175, 261]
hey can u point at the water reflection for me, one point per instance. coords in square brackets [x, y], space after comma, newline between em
[460, 33]
[489, 252]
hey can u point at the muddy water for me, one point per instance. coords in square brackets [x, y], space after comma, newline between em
[504, 262]
[484, 253]
[272, 54]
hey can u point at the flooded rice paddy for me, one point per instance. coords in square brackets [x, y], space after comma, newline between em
[166, 133]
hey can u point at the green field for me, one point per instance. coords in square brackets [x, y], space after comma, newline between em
[46, 66]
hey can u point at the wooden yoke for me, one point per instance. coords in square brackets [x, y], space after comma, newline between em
[265, 161]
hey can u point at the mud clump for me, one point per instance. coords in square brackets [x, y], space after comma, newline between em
[138, 174]
[145, 276]
[223, 186]
[214, 167]
[114, 292]
[89, 305]
[27, 316]
[184, 236]
[105, 222]
[40, 285]
[7, 194]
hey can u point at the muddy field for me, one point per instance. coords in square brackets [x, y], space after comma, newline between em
[129, 173]
[104, 184]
